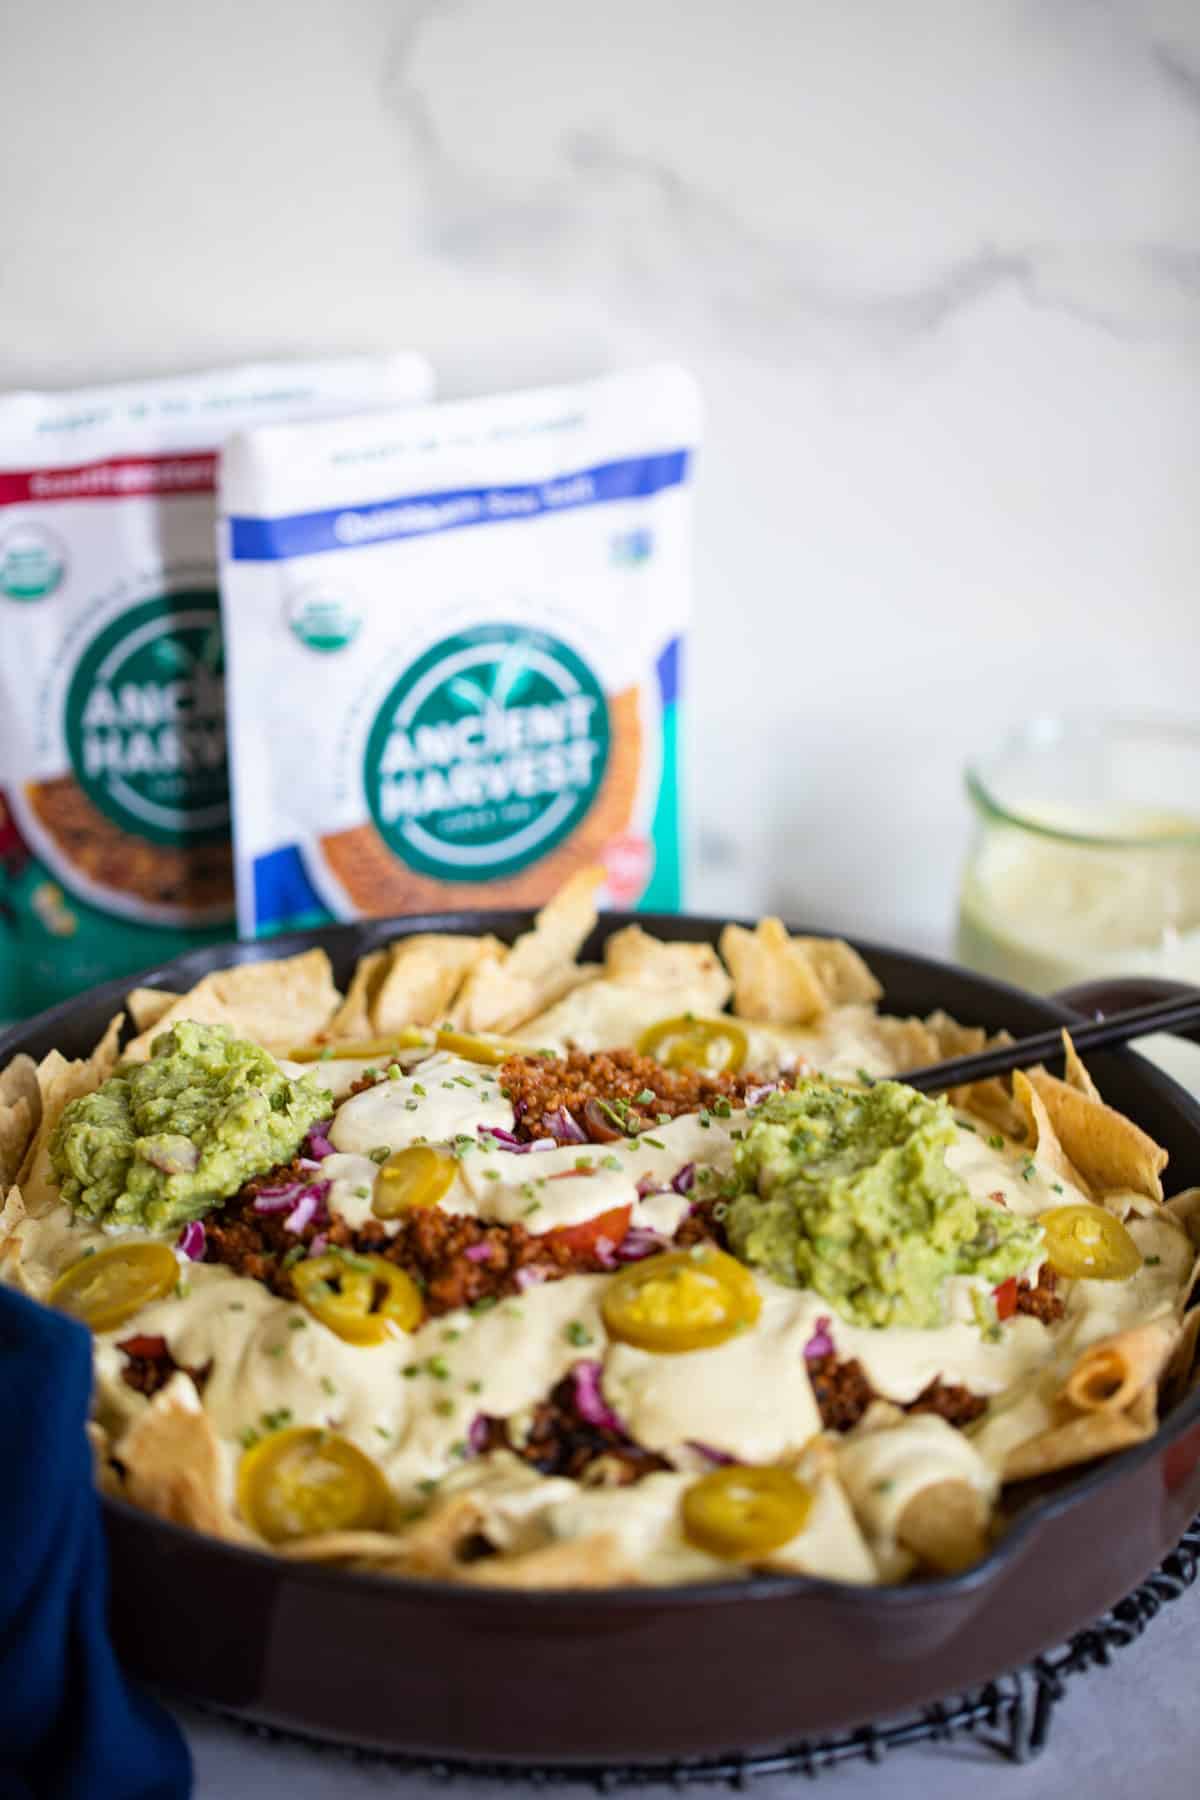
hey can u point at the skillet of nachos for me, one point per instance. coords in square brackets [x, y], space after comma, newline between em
[517, 1271]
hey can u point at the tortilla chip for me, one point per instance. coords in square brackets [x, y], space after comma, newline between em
[353, 1017]
[499, 995]
[635, 959]
[841, 971]
[1110, 1374]
[423, 976]
[596, 1014]
[12, 1216]
[1076, 1075]
[783, 980]
[945, 1526]
[20, 1114]
[773, 979]
[1081, 1438]
[1110, 1150]
[59, 1082]
[277, 1003]
[990, 1100]
[18, 1081]
[172, 1463]
[107, 1054]
[16, 1131]
[430, 1547]
[590, 1562]
[907, 1042]
[146, 1006]
[952, 1039]
[1040, 1133]
[831, 1544]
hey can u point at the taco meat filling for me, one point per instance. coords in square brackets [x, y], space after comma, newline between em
[609, 1094]
[149, 1365]
[843, 1394]
[561, 1440]
[430, 1246]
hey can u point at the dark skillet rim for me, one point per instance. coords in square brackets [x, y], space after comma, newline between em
[898, 1598]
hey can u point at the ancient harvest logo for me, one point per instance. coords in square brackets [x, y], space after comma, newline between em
[145, 721]
[486, 753]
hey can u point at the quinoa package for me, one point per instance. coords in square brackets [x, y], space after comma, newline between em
[454, 651]
[114, 794]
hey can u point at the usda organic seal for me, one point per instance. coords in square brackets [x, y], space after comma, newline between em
[32, 563]
[145, 721]
[486, 753]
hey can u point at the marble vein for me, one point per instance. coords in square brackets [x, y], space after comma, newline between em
[653, 242]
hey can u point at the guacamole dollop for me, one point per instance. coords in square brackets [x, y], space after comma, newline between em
[847, 1191]
[163, 1141]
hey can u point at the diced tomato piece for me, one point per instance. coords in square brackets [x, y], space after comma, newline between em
[1005, 1297]
[155, 1348]
[581, 1240]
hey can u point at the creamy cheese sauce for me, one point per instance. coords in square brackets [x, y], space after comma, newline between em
[607, 1015]
[883, 1470]
[749, 1397]
[993, 1166]
[444, 1097]
[645, 1521]
[352, 1179]
[408, 1402]
[568, 1186]
[339, 1073]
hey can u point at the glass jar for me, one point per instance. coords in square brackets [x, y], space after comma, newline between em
[1085, 859]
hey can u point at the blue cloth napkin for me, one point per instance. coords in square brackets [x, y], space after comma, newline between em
[70, 1727]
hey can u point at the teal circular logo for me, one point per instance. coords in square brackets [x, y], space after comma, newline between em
[486, 753]
[32, 563]
[145, 721]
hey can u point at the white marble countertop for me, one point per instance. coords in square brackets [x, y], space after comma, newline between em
[1131, 1728]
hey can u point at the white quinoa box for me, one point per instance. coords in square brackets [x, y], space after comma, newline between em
[455, 647]
[114, 787]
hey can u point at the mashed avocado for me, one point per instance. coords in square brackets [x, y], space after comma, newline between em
[846, 1191]
[165, 1140]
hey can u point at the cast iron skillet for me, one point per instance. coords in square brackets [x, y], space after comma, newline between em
[645, 1674]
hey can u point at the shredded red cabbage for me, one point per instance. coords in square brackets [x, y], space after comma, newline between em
[319, 1244]
[505, 1140]
[647, 1185]
[304, 1211]
[477, 1434]
[639, 1242]
[316, 1144]
[756, 1095]
[719, 1458]
[820, 1343]
[683, 1178]
[530, 1276]
[479, 1253]
[191, 1241]
[564, 1127]
[589, 1398]
[605, 1252]
[278, 1199]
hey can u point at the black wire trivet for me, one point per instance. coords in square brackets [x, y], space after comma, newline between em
[1011, 1715]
